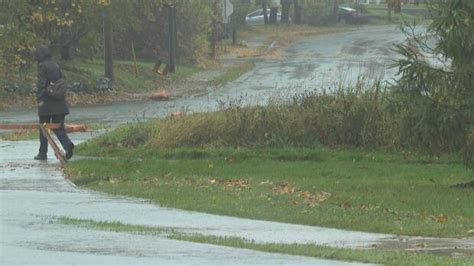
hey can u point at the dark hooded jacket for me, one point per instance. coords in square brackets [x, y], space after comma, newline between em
[48, 71]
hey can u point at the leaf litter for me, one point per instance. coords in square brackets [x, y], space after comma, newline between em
[310, 199]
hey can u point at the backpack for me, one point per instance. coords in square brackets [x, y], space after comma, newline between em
[57, 90]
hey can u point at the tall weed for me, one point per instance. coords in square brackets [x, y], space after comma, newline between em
[361, 117]
[353, 118]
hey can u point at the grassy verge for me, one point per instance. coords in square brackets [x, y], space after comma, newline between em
[127, 77]
[369, 256]
[84, 76]
[30, 134]
[232, 73]
[282, 36]
[18, 135]
[379, 14]
[400, 193]
[273, 163]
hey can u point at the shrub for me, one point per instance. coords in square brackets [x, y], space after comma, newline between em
[132, 135]
[317, 13]
[468, 151]
[435, 85]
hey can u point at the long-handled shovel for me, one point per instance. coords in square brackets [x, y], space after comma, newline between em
[57, 151]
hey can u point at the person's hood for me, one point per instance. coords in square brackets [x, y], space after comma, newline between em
[42, 53]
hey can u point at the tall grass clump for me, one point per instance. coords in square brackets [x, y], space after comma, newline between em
[350, 117]
[129, 136]
[374, 117]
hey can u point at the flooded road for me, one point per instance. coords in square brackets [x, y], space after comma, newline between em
[311, 64]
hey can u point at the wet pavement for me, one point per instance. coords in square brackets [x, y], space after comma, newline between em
[33, 193]
[311, 64]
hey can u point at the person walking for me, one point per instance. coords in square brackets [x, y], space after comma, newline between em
[50, 110]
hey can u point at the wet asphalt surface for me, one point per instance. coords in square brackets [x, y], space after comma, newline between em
[34, 193]
[311, 64]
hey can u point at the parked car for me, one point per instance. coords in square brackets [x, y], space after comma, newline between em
[350, 16]
[256, 17]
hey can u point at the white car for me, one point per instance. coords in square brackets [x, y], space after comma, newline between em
[256, 17]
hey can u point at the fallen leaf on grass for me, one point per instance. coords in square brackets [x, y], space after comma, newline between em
[114, 180]
[390, 211]
[440, 218]
[283, 188]
[233, 184]
[237, 184]
[314, 200]
[293, 202]
[345, 205]
[229, 159]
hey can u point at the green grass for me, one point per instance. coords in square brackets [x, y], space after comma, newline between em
[88, 72]
[18, 135]
[408, 13]
[400, 193]
[30, 134]
[370, 256]
[124, 73]
[232, 73]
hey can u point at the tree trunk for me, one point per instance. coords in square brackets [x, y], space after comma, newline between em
[65, 44]
[172, 38]
[273, 15]
[285, 11]
[65, 36]
[398, 6]
[298, 12]
[217, 10]
[108, 59]
[234, 36]
[335, 11]
[265, 14]
[389, 10]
